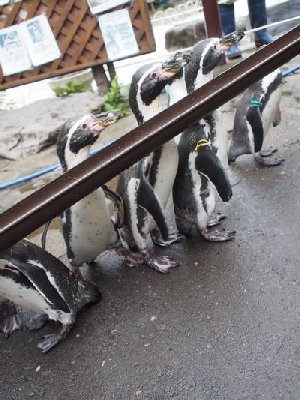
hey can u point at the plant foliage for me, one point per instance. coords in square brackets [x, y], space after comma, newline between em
[115, 100]
[71, 88]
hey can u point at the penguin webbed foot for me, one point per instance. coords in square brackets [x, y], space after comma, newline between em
[173, 237]
[273, 162]
[217, 236]
[37, 322]
[53, 339]
[130, 258]
[10, 320]
[215, 219]
[268, 152]
[159, 263]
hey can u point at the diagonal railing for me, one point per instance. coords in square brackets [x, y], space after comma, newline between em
[46, 203]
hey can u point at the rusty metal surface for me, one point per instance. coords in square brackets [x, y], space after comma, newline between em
[46, 203]
[77, 33]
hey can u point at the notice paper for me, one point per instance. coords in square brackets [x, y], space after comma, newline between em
[118, 34]
[100, 6]
[14, 56]
[39, 40]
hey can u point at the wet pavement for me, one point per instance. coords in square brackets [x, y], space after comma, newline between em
[223, 325]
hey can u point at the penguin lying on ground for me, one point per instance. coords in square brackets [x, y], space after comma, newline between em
[256, 111]
[38, 281]
[146, 186]
[203, 151]
[88, 228]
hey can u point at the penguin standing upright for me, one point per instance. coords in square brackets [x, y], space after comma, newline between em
[199, 168]
[87, 226]
[202, 152]
[146, 186]
[36, 280]
[257, 110]
[204, 57]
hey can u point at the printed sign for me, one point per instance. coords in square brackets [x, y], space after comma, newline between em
[14, 56]
[99, 6]
[39, 40]
[118, 35]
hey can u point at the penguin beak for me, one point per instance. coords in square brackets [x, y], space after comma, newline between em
[230, 39]
[174, 64]
[101, 121]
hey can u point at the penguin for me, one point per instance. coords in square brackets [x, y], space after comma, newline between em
[195, 205]
[146, 186]
[36, 280]
[204, 57]
[87, 226]
[199, 167]
[257, 110]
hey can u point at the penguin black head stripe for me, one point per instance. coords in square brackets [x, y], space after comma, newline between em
[160, 76]
[149, 81]
[206, 55]
[84, 132]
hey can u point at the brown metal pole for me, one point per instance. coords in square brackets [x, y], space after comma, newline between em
[49, 201]
[212, 18]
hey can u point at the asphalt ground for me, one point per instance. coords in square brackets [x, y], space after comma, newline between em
[223, 325]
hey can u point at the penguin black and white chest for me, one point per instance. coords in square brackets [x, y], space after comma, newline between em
[198, 169]
[257, 110]
[36, 280]
[88, 229]
[147, 186]
[205, 56]
[201, 149]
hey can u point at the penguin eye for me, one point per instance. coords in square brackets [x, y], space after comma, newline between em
[154, 75]
[84, 126]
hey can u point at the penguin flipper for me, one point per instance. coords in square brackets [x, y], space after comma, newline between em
[39, 279]
[44, 234]
[151, 203]
[208, 164]
[118, 203]
[254, 118]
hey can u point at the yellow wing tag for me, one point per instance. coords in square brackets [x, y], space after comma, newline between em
[202, 143]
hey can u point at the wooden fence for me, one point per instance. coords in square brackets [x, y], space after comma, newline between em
[77, 33]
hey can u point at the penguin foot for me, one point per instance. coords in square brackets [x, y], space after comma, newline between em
[10, 320]
[37, 322]
[217, 236]
[53, 339]
[130, 258]
[215, 219]
[268, 162]
[159, 263]
[268, 152]
[174, 237]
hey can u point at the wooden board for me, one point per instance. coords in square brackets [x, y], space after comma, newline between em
[77, 33]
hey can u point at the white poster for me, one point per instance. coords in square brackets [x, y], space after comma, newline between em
[39, 40]
[118, 35]
[14, 57]
[99, 6]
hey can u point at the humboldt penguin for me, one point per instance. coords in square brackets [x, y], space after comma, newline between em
[203, 152]
[146, 186]
[36, 280]
[257, 110]
[87, 226]
[199, 168]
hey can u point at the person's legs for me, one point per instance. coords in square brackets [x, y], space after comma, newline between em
[228, 26]
[258, 17]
